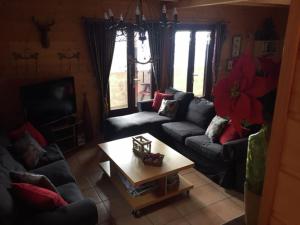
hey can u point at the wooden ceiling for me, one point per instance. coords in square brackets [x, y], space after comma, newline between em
[201, 3]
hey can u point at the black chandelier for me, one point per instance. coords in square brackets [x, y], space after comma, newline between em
[140, 25]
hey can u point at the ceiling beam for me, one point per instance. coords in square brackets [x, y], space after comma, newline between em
[201, 3]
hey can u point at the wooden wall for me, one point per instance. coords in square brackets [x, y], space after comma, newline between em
[18, 34]
[281, 196]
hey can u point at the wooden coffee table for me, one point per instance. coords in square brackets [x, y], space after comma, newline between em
[123, 161]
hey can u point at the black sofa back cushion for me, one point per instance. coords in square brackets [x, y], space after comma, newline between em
[7, 164]
[200, 111]
[183, 99]
[6, 206]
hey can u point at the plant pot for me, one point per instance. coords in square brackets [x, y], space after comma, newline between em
[252, 206]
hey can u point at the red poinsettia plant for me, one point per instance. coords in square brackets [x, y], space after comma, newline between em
[236, 95]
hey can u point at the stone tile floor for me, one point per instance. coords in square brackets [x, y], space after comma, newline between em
[208, 203]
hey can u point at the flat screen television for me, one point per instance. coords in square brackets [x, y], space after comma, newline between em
[49, 101]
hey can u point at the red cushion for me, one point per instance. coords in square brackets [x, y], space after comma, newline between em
[230, 134]
[158, 97]
[19, 132]
[41, 198]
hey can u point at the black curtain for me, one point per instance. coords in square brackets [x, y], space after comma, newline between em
[218, 40]
[156, 42]
[101, 43]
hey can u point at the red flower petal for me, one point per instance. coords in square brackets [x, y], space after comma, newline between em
[261, 86]
[222, 96]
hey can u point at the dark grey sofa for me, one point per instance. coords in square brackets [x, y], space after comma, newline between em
[225, 164]
[79, 211]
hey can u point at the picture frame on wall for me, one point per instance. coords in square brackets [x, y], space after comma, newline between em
[229, 64]
[236, 46]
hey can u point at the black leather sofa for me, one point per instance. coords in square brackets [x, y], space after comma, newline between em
[224, 164]
[79, 211]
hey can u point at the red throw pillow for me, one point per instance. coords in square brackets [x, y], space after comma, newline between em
[230, 134]
[19, 132]
[38, 197]
[158, 97]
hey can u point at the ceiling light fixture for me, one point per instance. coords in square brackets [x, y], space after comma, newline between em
[140, 25]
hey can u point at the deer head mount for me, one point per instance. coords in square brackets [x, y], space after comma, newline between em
[43, 28]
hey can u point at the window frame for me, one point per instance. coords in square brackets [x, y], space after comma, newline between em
[130, 78]
[193, 28]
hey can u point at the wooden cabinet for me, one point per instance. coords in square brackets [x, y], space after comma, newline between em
[67, 133]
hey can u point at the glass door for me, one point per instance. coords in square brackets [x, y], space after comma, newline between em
[118, 79]
[202, 39]
[130, 77]
[181, 59]
[190, 58]
[143, 70]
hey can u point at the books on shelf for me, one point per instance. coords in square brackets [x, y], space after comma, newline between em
[137, 191]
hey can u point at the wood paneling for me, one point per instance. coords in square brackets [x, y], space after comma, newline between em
[281, 195]
[18, 33]
[202, 3]
[287, 199]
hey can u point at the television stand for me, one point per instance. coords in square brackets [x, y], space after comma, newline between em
[67, 133]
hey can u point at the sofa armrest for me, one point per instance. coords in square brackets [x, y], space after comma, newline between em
[145, 105]
[83, 212]
[235, 149]
[235, 153]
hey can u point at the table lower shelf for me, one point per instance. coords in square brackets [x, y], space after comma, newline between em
[146, 199]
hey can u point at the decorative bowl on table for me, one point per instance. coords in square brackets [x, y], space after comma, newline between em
[153, 159]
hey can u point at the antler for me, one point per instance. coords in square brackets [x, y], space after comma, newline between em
[50, 23]
[45, 25]
[35, 21]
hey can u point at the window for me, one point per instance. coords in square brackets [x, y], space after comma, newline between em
[190, 57]
[143, 72]
[118, 75]
[181, 59]
[130, 79]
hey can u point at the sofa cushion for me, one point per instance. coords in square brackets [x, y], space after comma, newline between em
[28, 127]
[28, 151]
[171, 90]
[184, 99]
[215, 128]
[6, 206]
[37, 197]
[180, 130]
[203, 145]
[7, 164]
[158, 97]
[168, 108]
[144, 118]
[200, 111]
[31, 178]
[70, 192]
[58, 172]
[52, 154]
[134, 123]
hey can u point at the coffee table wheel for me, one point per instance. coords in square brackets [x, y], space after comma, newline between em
[136, 213]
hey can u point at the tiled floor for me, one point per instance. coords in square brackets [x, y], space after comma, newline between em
[208, 203]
